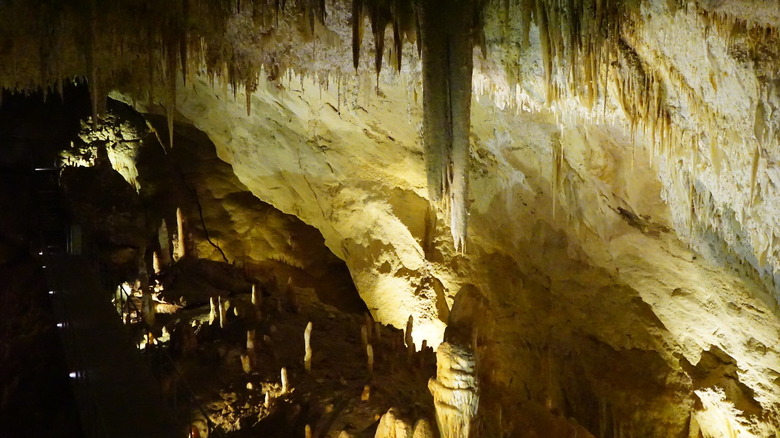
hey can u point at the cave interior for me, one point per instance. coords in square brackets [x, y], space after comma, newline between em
[390, 218]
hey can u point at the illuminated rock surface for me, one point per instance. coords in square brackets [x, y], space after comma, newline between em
[620, 253]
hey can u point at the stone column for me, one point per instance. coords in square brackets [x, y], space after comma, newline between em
[455, 390]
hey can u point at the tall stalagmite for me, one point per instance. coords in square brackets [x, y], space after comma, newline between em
[455, 390]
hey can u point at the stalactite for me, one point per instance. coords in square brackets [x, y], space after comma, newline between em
[357, 31]
[447, 39]
[92, 65]
[557, 166]
[753, 173]
[150, 67]
[170, 109]
[398, 39]
[182, 33]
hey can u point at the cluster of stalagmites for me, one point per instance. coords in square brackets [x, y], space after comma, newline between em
[394, 425]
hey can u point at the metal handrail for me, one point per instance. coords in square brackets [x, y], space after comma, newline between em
[192, 398]
[92, 407]
[91, 423]
[87, 401]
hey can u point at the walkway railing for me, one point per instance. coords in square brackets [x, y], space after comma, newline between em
[181, 398]
[58, 240]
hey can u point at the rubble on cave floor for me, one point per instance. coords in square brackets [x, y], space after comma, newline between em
[231, 349]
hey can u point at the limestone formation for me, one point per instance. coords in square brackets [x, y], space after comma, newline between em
[156, 266]
[392, 425]
[222, 311]
[307, 347]
[285, 382]
[179, 248]
[250, 340]
[369, 325]
[455, 391]
[423, 429]
[257, 302]
[164, 242]
[408, 338]
[213, 311]
[246, 363]
[370, 358]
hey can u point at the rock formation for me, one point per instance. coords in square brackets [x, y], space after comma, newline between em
[455, 391]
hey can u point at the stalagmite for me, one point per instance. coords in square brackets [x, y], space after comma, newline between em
[148, 309]
[369, 323]
[222, 311]
[370, 357]
[292, 297]
[250, 340]
[455, 391]
[246, 363]
[307, 431]
[285, 382]
[156, 263]
[391, 425]
[257, 302]
[178, 245]
[165, 246]
[307, 347]
[366, 394]
[422, 429]
[363, 335]
[213, 314]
